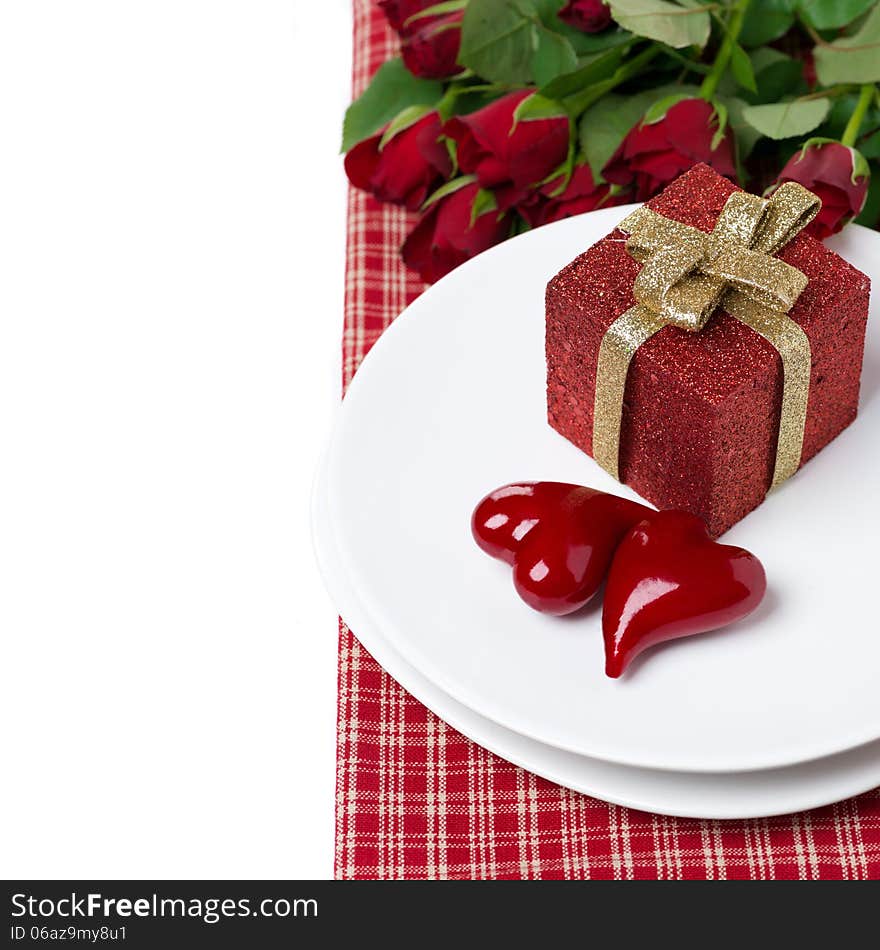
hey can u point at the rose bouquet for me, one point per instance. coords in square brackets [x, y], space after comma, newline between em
[502, 115]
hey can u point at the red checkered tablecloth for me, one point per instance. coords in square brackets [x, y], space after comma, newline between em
[415, 799]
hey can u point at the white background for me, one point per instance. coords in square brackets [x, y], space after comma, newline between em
[172, 239]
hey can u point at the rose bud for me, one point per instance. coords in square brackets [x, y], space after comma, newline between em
[580, 194]
[406, 168]
[839, 175]
[398, 12]
[430, 46]
[429, 43]
[655, 153]
[509, 154]
[448, 233]
[588, 16]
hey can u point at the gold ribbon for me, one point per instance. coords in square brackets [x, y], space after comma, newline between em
[687, 275]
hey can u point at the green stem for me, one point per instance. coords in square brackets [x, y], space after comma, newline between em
[734, 26]
[851, 132]
[581, 101]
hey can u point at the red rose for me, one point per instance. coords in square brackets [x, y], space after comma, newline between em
[588, 16]
[446, 236]
[397, 12]
[407, 169]
[839, 175]
[655, 153]
[580, 194]
[505, 156]
[429, 43]
[430, 46]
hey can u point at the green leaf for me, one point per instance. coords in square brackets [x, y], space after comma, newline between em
[461, 100]
[841, 110]
[728, 85]
[746, 135]
[870, 213]
[782, 120]
[498, 40]
[598, 67]
[659, 108]
[583, 43]
[776, 75]
[861, 168]
[484, 201]
[766, 56]
[392, 89]
[723, 115]
[586, 43]
[563, 173]
[548, 11]
[766, 20]
[604, 125]
[675, 24]
[741, 67]
[447, 188]
[832, 14]
[870, 148]
[853, 58]
[537, 106]
[520, 41]
[437, 9]
[403, 120]
[518, 225]
[554, 56]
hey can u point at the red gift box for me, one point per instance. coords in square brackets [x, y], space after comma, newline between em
[701, 409]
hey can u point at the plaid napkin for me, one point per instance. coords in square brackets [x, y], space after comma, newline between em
[415, 799]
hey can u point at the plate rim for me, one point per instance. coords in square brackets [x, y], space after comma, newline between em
[472, 724]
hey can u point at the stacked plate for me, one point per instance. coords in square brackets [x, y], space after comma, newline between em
[777, 713]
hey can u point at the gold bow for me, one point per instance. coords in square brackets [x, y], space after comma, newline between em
[687, 274]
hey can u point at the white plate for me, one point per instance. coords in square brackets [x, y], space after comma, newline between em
[450, 403]
[684, 794]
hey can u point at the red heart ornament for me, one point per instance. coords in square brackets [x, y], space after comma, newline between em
[669, 579]
[559, 538]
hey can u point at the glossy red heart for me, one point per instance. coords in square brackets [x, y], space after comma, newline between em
[559, 538]
[669, 579]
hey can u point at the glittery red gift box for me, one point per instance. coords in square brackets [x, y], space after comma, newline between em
[701, 411]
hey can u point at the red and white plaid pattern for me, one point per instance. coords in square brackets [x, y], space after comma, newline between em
[415, 799]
